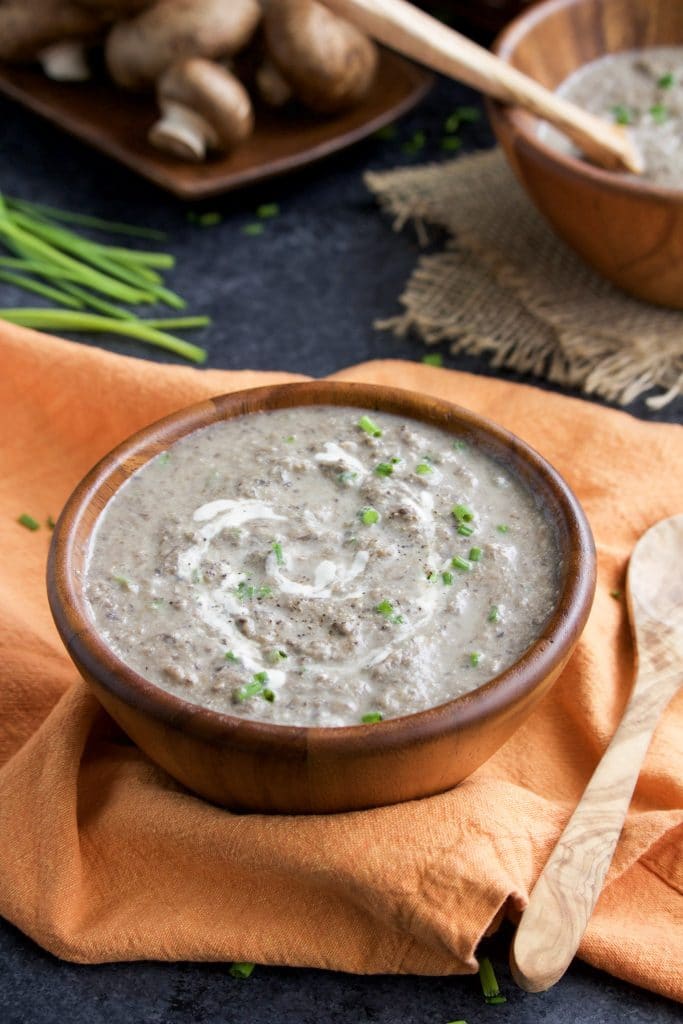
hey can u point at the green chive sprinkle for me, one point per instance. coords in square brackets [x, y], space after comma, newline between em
[489, 983]
[433, 359]
[494, 613]
[465, 531]
[451, 144]
[268, 695]
[475, 658]
[277, 551]
[369, 516]
[276, 656]
[50, 523]
[462, 513]
[458, 562]
[415, 144]
[369, 426]
[666, 81]
[659, 113]
[384, 469]
[231, 656]
[503, 528]
[28, 521]
[386, 609]
[616, 594]
[423, 468]
[290, 439]
[241, 970]
[122, 582]
[261, 677]
[267, 210]
[347, 477]
[475, 554]
[252, 230]
[460, 445]
[248, 690]
[209, 219]
[622, 114]
[447, 577]
[460, 116]
[386, 134]
[372, 716]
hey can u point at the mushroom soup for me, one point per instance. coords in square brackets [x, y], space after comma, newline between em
[642, 89]
[322, 566]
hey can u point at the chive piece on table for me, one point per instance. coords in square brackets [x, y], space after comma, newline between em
[451, 144]
[369, 426]
[386, 134]
[458, 562]
[254, 229]
[475, 554]
[50, 523]
[433, 359]
[267, 210]
[28, 521]
[84, 220]
[372, 716]
[369, 516]
[489, 982]
[237, 970]
[208, 219]
[414, 144]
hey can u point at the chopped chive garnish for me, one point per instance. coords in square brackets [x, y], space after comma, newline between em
[503, 528]
[384, 469]
[267, 210]
[241, 970]
[122, 582]
[462, 513]
[276, 656]
[415, 144]
[475, 658]
[277, 551]
[290, 439]
[423, 468]
[494, 613]
[447, 577]
[208, 219]
[347, 477]
[268, 695]
[465, 531]
[386, 134]
[372, 716]
[369, 516]
[231, 656]
[28, 521]
[433, 359]
[489, 983]
[616, 594]
[245, 591]
[622, 114]
[50, 523]
[460, 116]
[666, 81]
[251, 230]
[451, 144]
[261, 677]
[475, 554]
[370, 427]
[659, 113]
[163, 458]
[386, 609]
[263, 591]
[248, 690]
[458, 562]
[460, 445]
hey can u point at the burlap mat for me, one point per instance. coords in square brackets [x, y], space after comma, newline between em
[505, 285]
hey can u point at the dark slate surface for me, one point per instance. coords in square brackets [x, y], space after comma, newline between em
[300, 297]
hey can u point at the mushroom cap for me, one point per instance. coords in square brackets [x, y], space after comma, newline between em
[213, 93]
[26, 29]
[329, 63]
[139, 50]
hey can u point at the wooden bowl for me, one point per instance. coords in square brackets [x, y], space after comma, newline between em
[258, 766]
[629, 230]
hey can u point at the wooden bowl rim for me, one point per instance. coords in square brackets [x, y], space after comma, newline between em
[509, 687]
[524, 123]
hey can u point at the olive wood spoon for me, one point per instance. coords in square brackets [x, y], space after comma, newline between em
[402, 27]
[568, 888]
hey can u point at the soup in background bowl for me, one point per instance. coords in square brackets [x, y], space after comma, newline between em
[321, 596]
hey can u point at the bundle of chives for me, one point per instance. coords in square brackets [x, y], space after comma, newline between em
[82, 275]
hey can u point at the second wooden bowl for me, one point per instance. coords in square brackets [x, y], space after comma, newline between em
[629, 230]
[258, 766]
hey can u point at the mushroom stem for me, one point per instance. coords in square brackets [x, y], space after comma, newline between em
[182, 131]
[65, 61]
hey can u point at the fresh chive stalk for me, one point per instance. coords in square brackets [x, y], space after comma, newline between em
[29, 285]
[489, 983]
[95, 302]
[110, 226]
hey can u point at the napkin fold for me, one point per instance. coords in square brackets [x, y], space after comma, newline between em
[104, 857]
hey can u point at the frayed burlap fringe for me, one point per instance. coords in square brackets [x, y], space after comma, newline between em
[507, 287]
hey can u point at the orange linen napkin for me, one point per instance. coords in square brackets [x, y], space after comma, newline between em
[103, 857]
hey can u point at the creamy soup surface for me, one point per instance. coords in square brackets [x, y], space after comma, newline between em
[642, 89]
[321, 566]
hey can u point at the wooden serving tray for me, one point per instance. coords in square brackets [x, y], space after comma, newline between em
[116, 122]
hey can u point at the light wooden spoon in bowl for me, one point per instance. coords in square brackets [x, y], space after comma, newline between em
[408, 30]
[568, 888]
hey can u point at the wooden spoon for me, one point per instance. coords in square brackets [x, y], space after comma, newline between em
[402, 27]
[567, 890]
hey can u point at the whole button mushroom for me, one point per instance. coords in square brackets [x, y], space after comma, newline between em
[140, 49]
[204, 106]
[328, 62]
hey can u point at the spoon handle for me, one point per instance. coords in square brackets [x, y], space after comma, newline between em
[405, 28]
[568, 888]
